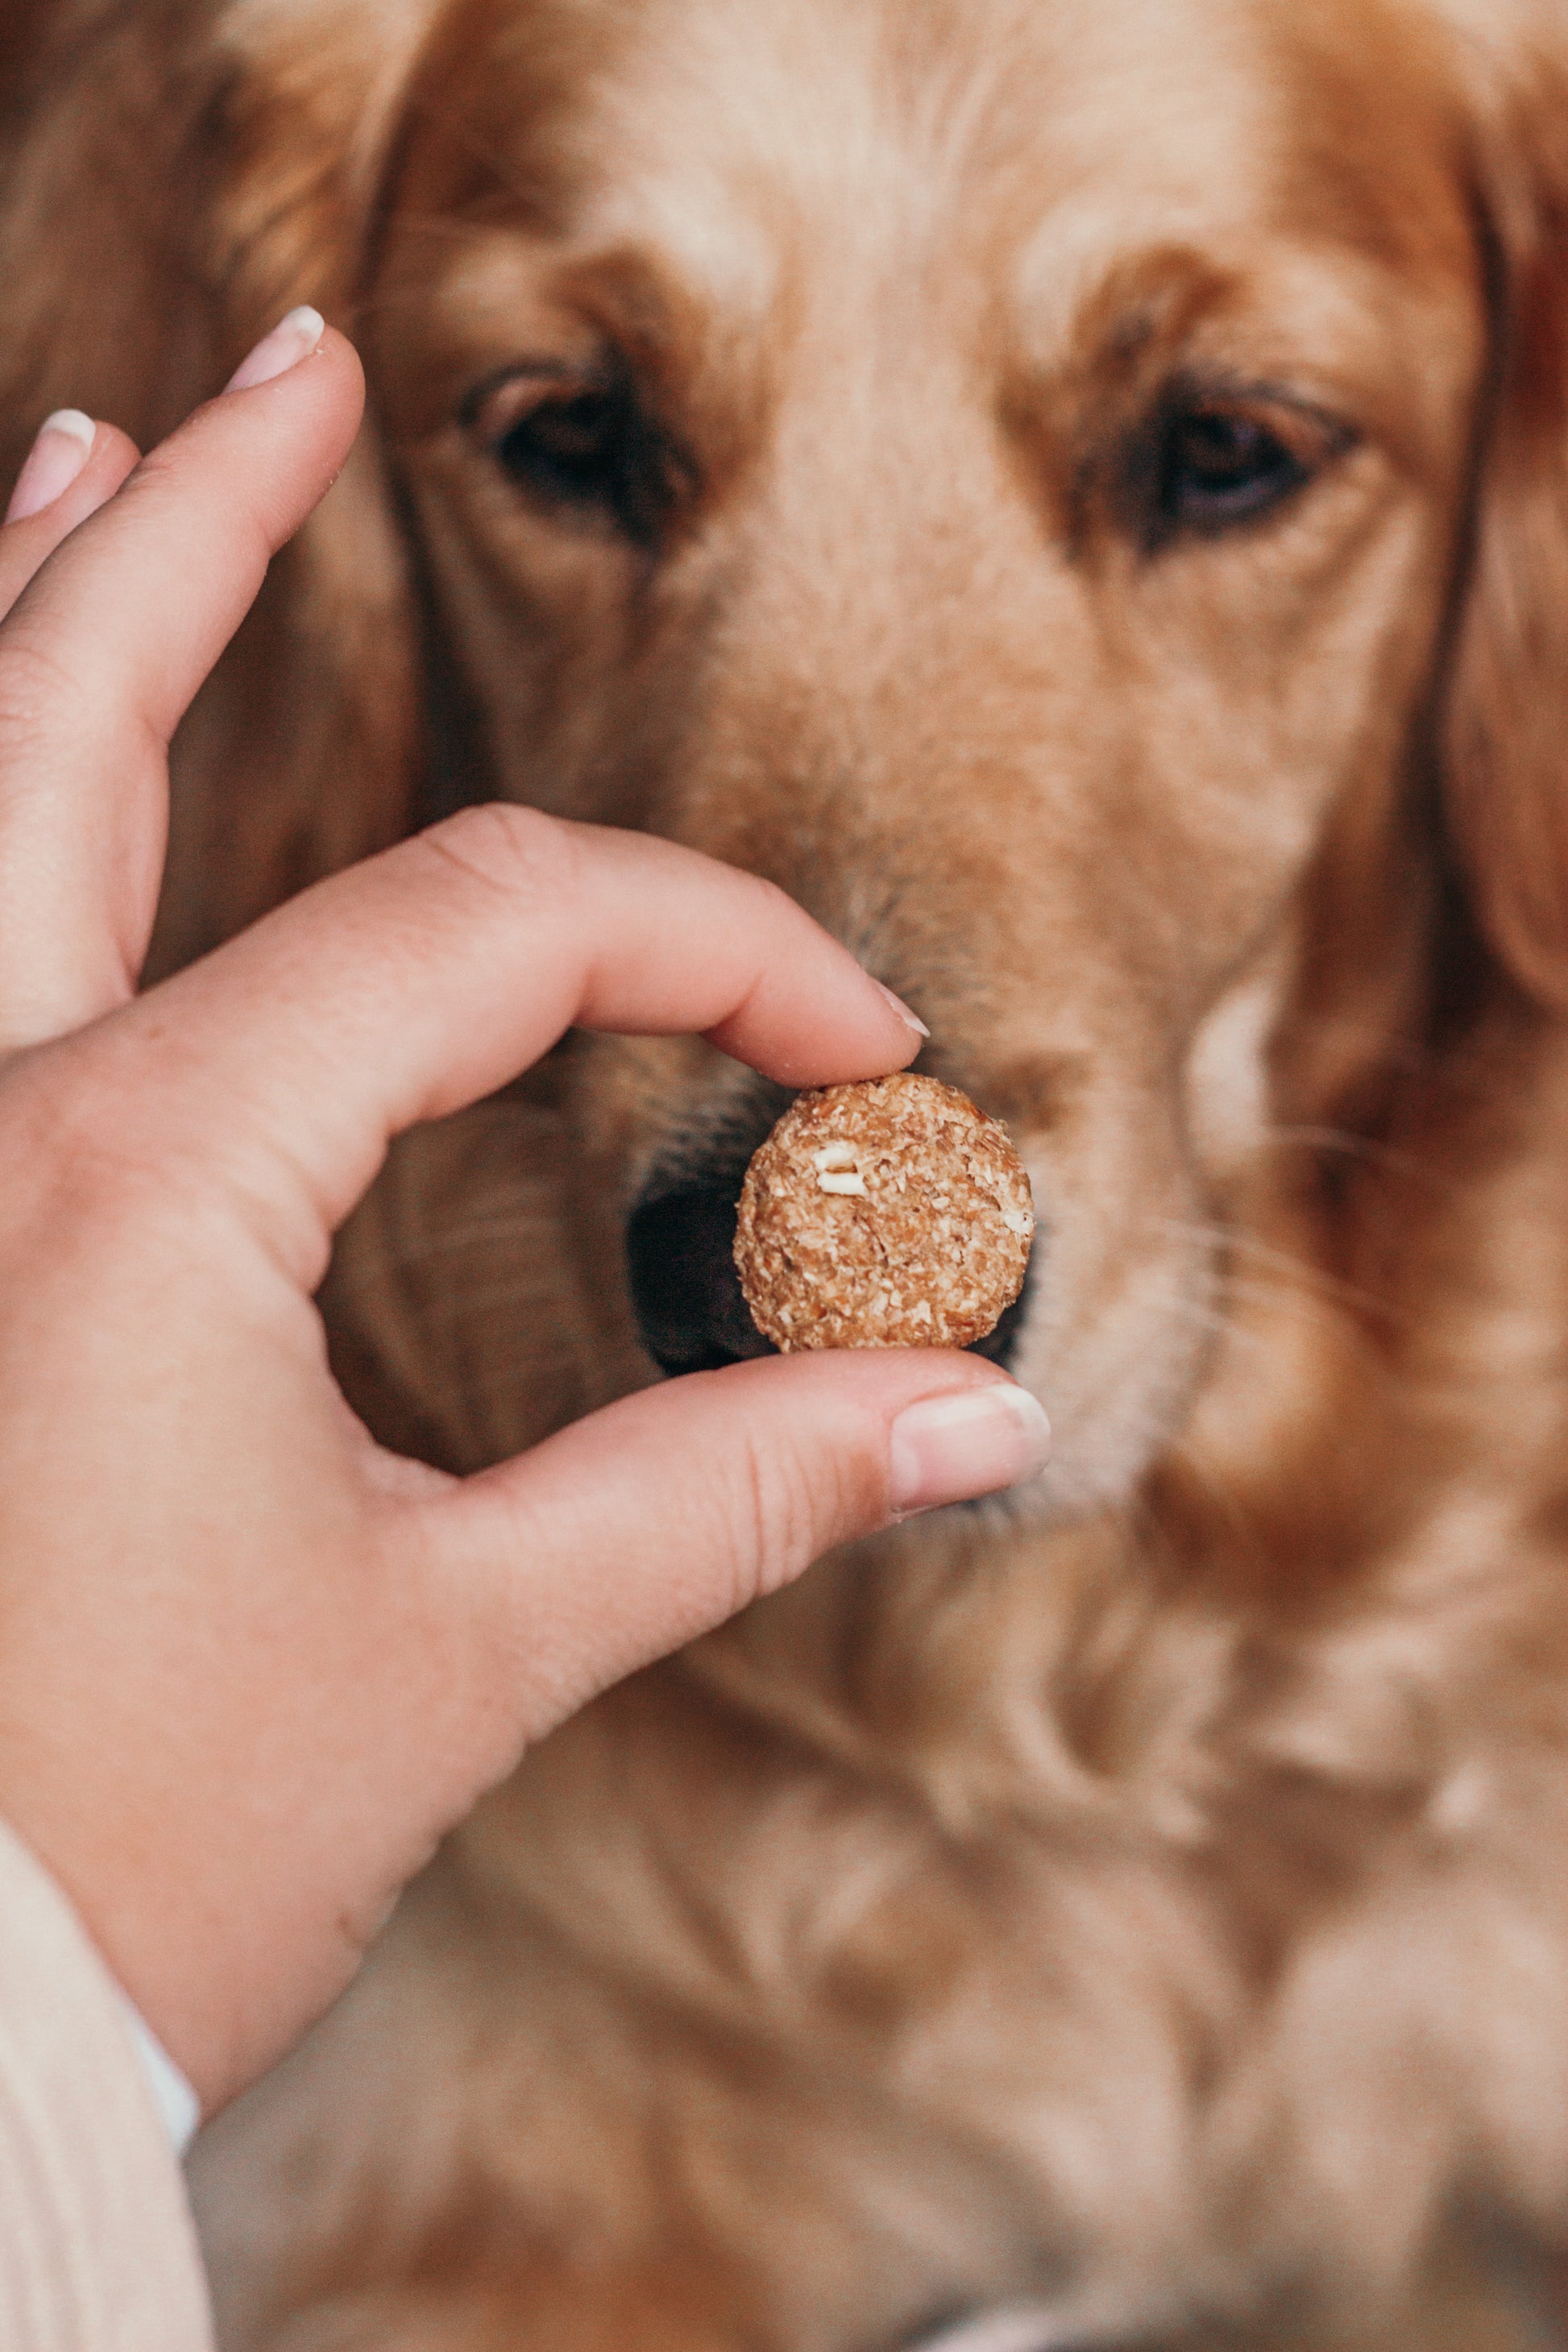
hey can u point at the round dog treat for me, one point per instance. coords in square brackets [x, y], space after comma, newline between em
[892, 1214]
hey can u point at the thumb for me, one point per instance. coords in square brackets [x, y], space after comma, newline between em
[647, 1524]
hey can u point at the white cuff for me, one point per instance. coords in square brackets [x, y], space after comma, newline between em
[177, 2103]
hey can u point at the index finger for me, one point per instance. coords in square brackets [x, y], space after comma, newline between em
[416, 983]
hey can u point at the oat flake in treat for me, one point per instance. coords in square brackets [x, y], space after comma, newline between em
[890, 1215]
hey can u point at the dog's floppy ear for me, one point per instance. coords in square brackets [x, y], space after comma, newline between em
[1506, 718]
[179, 175]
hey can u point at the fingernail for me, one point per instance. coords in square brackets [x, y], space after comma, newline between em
[62, 448]
[948, 1449]
[292, 340]
[910, 1019]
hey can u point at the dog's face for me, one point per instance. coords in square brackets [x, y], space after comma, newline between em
[997, 470]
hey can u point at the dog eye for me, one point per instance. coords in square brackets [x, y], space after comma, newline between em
[1218, 465]
[584, 448]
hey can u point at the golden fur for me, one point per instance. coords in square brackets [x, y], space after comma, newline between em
[1148, 1899]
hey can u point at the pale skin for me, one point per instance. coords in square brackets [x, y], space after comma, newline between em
[253, 1666]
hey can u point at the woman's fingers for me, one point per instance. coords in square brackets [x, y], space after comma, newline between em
[427, 977]
[105, 648]
[653, 1521]
[74, 466]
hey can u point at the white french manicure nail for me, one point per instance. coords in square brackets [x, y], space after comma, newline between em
[949, 1449]
[62, 447]
[293, 338]
[910, 1019]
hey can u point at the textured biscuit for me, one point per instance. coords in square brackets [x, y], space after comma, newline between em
[892, 1214]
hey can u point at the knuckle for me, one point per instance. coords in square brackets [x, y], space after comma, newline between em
[172, 480]
[63, 703]
[773, 900]
[163, 477]
[519, 852]
[788, 1508]
[38, 689]
[77, 1142]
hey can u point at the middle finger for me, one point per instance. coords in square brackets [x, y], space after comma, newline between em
[101, 658]
[28, 542]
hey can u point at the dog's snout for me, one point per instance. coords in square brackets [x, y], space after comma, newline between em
[679, 1255]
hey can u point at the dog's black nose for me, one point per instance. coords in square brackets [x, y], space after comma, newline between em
[691, 1309]
[689, 1306]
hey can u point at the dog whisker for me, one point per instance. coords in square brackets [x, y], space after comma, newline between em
[1296, 1275]
[1345, 1144]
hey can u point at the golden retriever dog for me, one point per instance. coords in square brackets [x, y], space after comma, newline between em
[1075, 491]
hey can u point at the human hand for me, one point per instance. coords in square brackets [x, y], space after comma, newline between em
[252, 1666]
